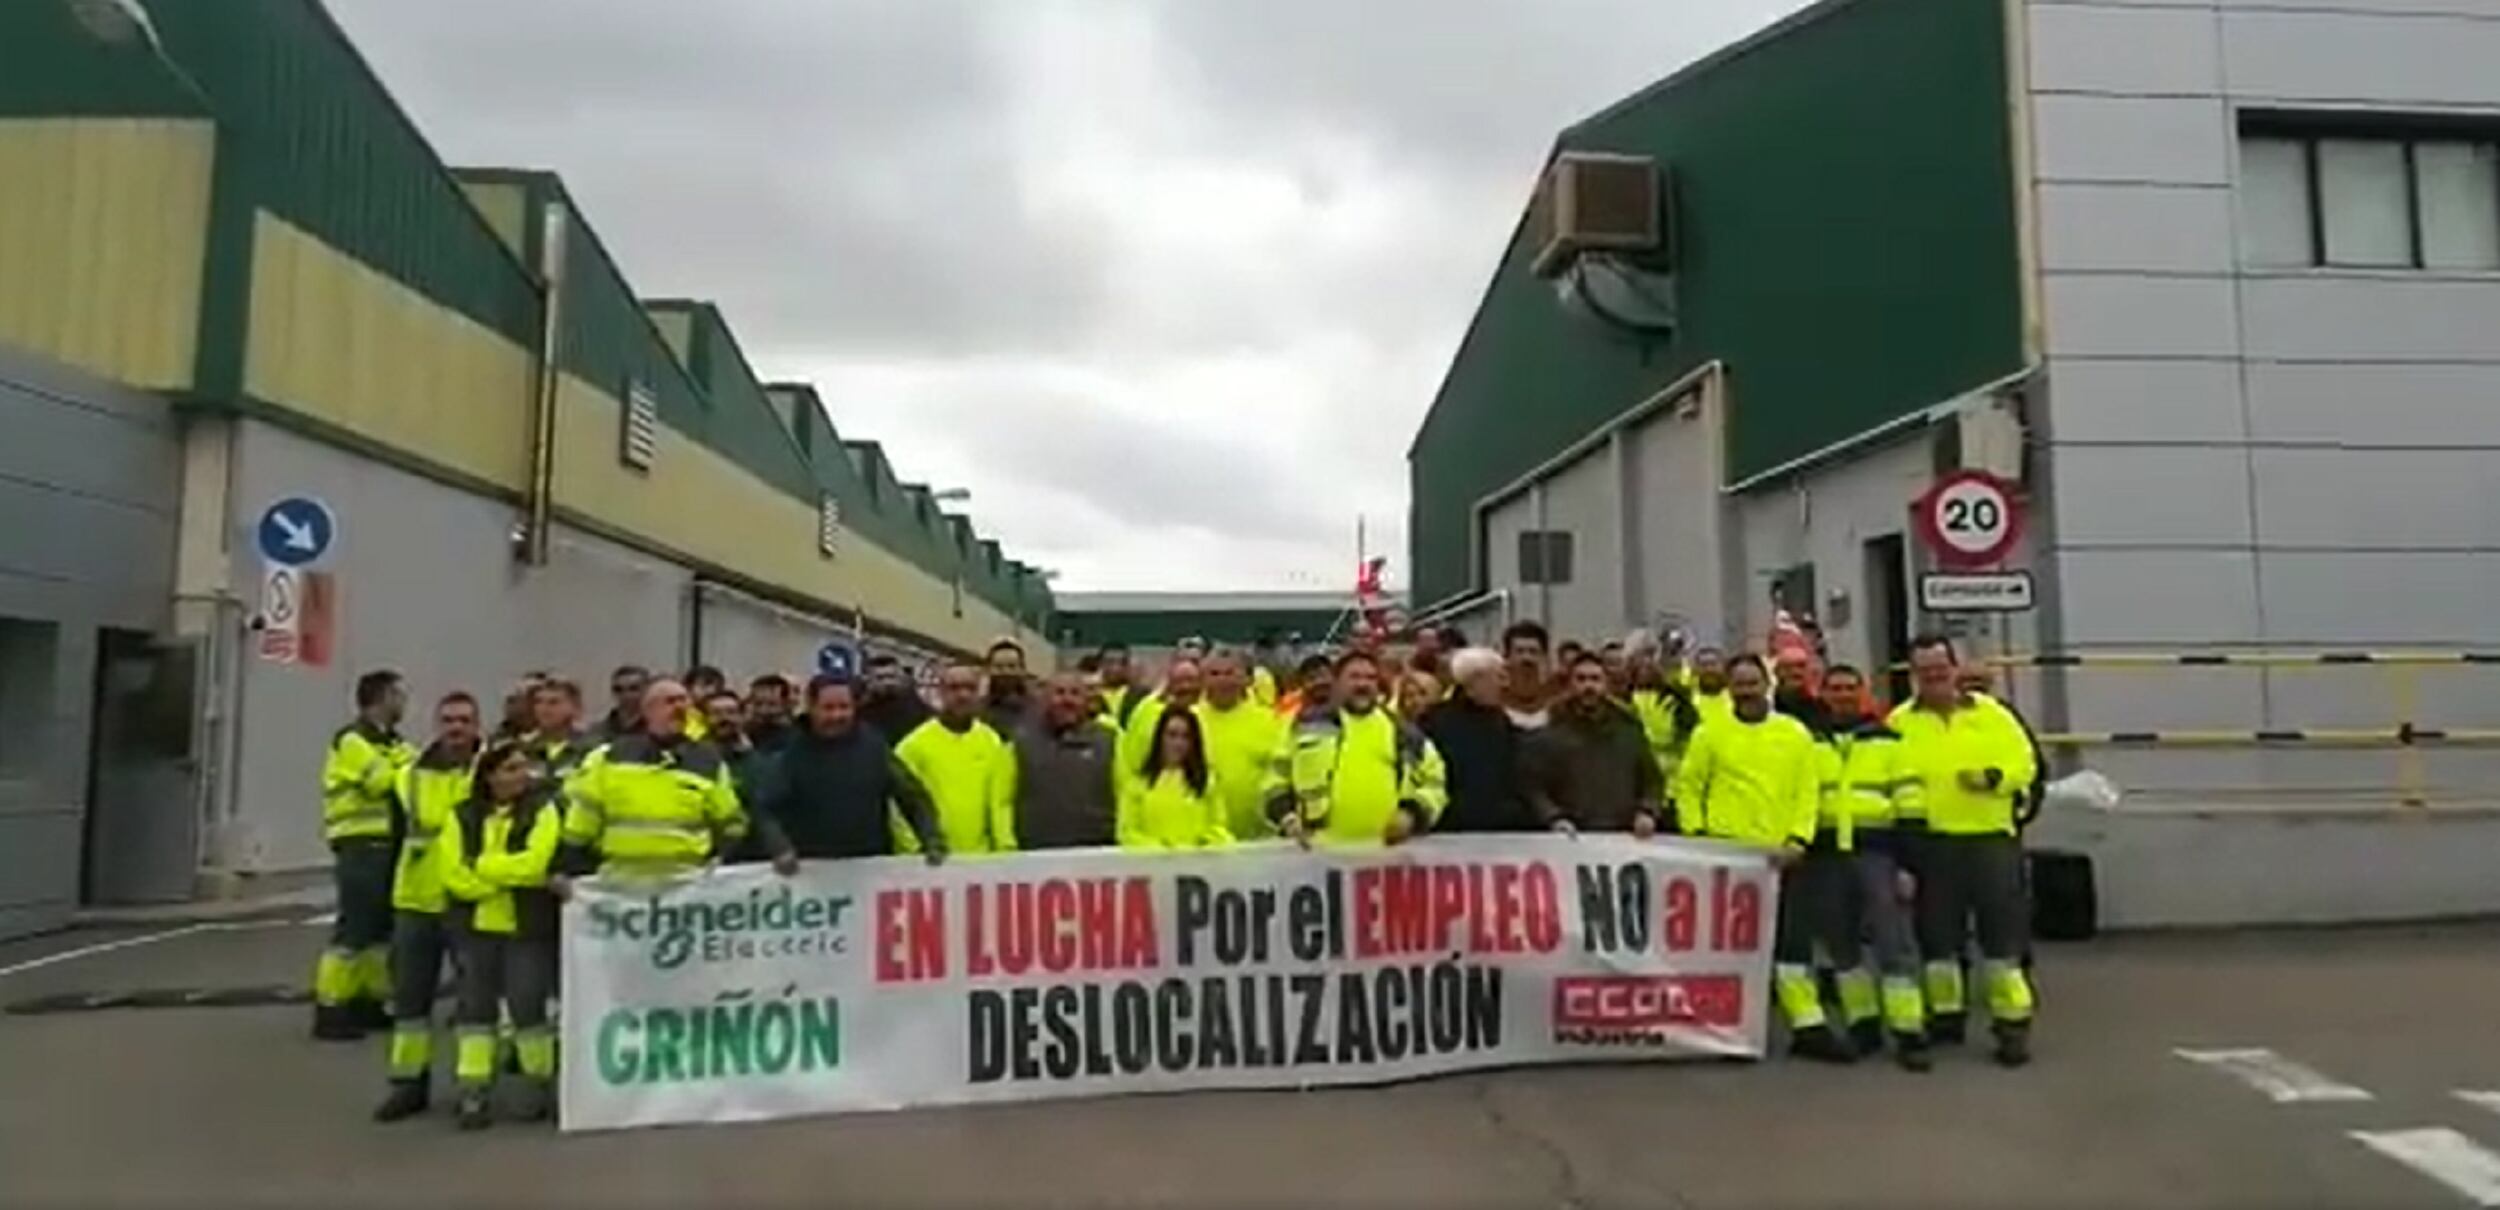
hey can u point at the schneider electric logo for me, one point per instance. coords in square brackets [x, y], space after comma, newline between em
[774, 923]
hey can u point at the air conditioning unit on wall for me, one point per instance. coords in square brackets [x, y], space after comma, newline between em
[1597, 202]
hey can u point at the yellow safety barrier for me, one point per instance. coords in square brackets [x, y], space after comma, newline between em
[2406, 738]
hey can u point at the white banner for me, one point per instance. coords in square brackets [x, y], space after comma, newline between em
[741, 995]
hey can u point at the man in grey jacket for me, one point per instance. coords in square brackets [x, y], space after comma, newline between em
[1065, 796]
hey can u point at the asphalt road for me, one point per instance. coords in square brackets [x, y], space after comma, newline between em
[195, 1107]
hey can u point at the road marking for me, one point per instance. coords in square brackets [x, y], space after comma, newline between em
[2480, 1099]
[101, 947]
[2282, 1080]
[188, 930]
[2443, 1155]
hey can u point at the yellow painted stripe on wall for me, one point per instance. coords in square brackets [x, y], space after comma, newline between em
[336, 340]
[503, 206]
[103, 241]
[698, 502]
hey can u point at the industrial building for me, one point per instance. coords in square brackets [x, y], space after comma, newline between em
[243, 303]
[1152, 624]
[2214, 284]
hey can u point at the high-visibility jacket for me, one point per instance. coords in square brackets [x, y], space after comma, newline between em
[1137, 738]
[555, 756]
[1867, 783]
[357, 781]
[491, 857]
[1751, 782]
[1120, 704]
[970, 775]
[1714, 707]
[1667, 723]
[646, 802]
[697, 727]
[429, 791]
[1167, 814]
[1345, 774]
[1240, 741]
[1980, 735]
[1263, 687]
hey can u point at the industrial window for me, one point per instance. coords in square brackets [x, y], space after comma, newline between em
[2349, 196]
[639, 441]
[1545, 556]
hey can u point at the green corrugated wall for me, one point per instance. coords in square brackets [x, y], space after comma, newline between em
[1845, 193]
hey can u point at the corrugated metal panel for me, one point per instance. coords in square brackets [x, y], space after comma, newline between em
[334, 339]
[62, 67]
[103, 230]
[744, 524]
[320, 143]
[505, 207]
[1844, 189]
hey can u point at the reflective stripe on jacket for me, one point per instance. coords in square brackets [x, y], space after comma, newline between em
[1168, 814]
[429, 791]
[493, 858]
[1345, 774]
[1978, 736]
[1751, 782]
[970, 777]
[639, 801]
[1867, 783]
[357, 780]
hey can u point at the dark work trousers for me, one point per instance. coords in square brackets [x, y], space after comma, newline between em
[1966, 881]
[363, 872]
[419, 943]
[500, 972]
[1847, 903]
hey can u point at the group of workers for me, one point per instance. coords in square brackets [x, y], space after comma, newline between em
[1894, 832]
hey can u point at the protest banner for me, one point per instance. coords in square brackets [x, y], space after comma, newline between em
[740, 995]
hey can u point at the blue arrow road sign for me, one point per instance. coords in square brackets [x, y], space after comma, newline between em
[837, 659]
[296, 530]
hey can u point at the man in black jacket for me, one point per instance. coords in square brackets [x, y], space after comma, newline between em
[893, 704]
[1479, 749]
[837, 788]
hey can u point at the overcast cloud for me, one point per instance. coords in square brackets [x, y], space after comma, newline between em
[1166, 284]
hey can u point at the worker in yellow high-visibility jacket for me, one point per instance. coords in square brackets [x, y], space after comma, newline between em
[352, 979]
[1241, 737]
[657, 802]
[429, 791]
[1752, 777]
[968, 769]
[1973, 758]
[1350, 772]
[1851, 880]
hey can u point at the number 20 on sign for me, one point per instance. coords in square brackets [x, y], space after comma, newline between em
[1969, 519]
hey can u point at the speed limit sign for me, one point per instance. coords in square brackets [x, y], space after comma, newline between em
[1969, 519]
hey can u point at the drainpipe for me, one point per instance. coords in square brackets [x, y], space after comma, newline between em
[540, 497]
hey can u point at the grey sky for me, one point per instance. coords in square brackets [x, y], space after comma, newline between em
[1166, 283]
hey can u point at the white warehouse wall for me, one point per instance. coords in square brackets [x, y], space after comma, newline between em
[427, 585]
[2281, 458]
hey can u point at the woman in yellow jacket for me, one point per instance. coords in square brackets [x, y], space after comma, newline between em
[493, 856]
[1174, 802]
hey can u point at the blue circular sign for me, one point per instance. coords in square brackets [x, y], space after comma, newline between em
[296, 530]
[837, 658]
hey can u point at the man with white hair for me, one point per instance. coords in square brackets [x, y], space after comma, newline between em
[1479, 747]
